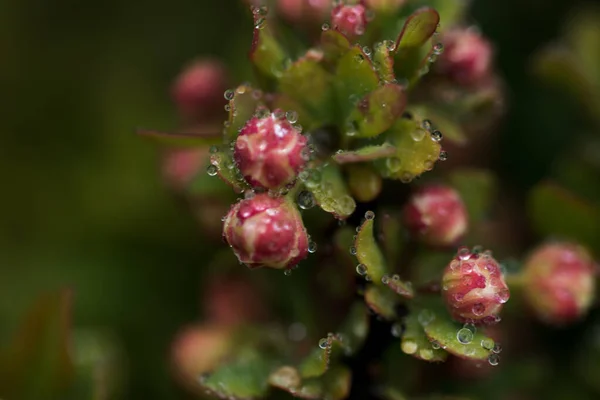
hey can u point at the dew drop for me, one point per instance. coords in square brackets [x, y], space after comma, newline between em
[305, 200]
[229, 94]
[425, 317]
[464, 253]
[497, 348]
[406, 177]
[478, 309]
[312, 247]
[359, 58]
[287, 272]
[393, 164]
[503, 296]
[353, 250]
[260, 23]
[487, 343]
[213, 150]
[212, 170]
[325, 27]
[426, 354]
[323, 343]
[396, 330]
[418, 134]
[361, 269]
[426, 124]
[367, 50]
[369, 215]
[435, 345]
[494, 359]
[443, 155]
[409, 347]
[227, 107]
[385, 279]
[438, 48]
[436, 136]
[292, 116]
[464, 336]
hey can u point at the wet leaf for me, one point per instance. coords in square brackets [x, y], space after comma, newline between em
[355, 328]
[266, 54]
[554, 211]
[364, 181]
[37, 363]
[477, 188]
[306, 82]
[444, 331]
[417, 344]
[377, 111]
[450, 128]
[367, 153]
[400, 287]
[197, 137]
[241, 108]
[382, 301]
[319, 360]
[226, 169]
[335, 45]
[369, 254]
[383, 60]
[330, 191]
[416, 152]
[335, 384]
[355, 77]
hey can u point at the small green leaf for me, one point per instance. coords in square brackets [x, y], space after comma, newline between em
[554, 211]
[37, 363]
[355, 328]
[477, 188]
[449, 127]
[412, 45]
[392, 240]
[355, 77]
[334, 384]
[416, 343]
[368, 252]
[444, 331]
[319, 360]
[306, 82]
[367, 153]
[383, 60]
[266, 54]
[223, 162]
[399, 286]
[382, 301]
[330, 191]
[197, 137]
[377, 111]
[416, 152]
[334, 45]
[241, 108]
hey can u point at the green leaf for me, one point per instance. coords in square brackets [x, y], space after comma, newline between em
[306, 82]
[391, 232]
[266, 54]
[477, 188]
[399, 286]
[368, 252]
[416, 343]
[416, 151]
[241, 108]
[451, 12]
[37, 363]
[334, 45]
[554, 211]
[383, 60]
[377, 111]
[197, 137]
[335, 384]
[451, 129]
[319, 360]
[227, 170]
[355, 328]
[330, 191]
[442, 329]
[382, 301]
[367, 153]
[355, 77]
[412, 45]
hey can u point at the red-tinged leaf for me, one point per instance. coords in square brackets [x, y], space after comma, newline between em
[335, 45]
[266, 54]
[369, 254]
[195, 137]
[377, 111]
[319, 360]
[416, 343]
[37, 364]
[381, 301]
[367, 153]
[383, 60]
[330, 191]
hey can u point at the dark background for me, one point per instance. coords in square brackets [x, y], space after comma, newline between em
[81, 200]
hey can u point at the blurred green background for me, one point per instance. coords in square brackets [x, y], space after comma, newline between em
[82, 203]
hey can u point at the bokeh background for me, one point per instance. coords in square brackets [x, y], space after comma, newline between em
[82, 204]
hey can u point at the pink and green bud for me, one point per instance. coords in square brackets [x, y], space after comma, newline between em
[436, 215]
[270, 151]
[304, 11]
[473, 287]
[351, 20]
[232, 300]
[560, 282]
[466, 57]
[180, 166]
[266, 231]
[198, 91]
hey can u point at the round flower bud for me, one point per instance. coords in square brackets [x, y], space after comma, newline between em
[301, 11]
[270, 152]
[560, 282]
[351, 20]
[198, 91]
[467, 56]
[473, 287]
[180, 166]
[436, 215]
[266, 231]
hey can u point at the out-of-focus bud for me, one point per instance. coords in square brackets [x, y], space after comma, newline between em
[197, 350]
[198, 91]
[436, 215]
[364, 182]
[266, 231]
[385, 6]
[180, 166]
[467, 56]
[270, 151]
[232, 300]
[304, 11]
[473, 287]
[559, 281]
[351, 20]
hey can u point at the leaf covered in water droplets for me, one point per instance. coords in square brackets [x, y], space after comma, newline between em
[378, 110]
[196, 137]
[383, 60]
[451, 129]
[416, 343]
[223, 165]
[417, 151]
[330, 192]
[266, 54]
[334, 384]
[382, 301]
[369, 254]
[242, 106]
[367, 153]
[318, 361]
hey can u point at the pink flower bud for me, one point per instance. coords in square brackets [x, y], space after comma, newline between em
[270, 151]
[467, 56]
[300, 11]
[436, 215]
[180, 166]
[560, 283]
[351, 20]
[198, 91]
[474, 288]
[232, 300]
[266, 231]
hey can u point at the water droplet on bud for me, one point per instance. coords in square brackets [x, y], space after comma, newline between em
[212, 170]
[292, 116]
[369, 215]
[464, 336]
[312, 247]
[305, 200]
[438, 48]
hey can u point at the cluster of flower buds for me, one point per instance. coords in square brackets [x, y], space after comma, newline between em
[350, 19]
